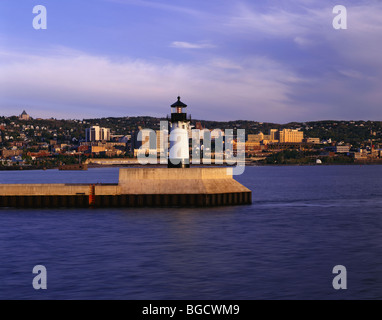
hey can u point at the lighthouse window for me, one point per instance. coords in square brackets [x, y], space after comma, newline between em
[179, 110]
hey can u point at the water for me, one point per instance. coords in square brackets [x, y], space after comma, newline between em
[303, 222]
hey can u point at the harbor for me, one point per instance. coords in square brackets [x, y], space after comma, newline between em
[176, 185]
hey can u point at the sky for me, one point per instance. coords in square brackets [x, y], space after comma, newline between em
[266, 60]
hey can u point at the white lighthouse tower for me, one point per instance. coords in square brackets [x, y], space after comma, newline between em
[179, 155]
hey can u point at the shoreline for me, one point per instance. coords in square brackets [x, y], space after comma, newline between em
[29, 168]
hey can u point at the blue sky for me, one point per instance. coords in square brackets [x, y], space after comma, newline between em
[274, 61]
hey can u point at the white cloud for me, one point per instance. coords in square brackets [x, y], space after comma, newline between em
[90, 86]
[160, 6]
[272, 23]
[225, 64]
[304, 42]
[188, 45]
[336, 71]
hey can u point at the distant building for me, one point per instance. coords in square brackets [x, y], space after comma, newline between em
[291, 136]
[277, 136]
[359, 155]
[252, 147]
[105, 134]
[342, 149]
[260, 137]
[199, 126]
[125, 139]
[313, 140]
[93, 134]
[329, 141]
[98, 149]
[83, 148]
[24, 116]
[11, 153]
[274, 135]
[256, 138]
[339, 149]
[97, 133]
[17, 159]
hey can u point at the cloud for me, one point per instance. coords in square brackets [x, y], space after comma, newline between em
[225, 64]
[87, 86]
[304, 42]
[188, 45]
[341, 69]
[276, 64]
[289, 21]
[159, 6]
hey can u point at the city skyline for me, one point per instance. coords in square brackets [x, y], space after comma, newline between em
[229, 61]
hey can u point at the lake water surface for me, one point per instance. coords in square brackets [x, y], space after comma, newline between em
[302, 223]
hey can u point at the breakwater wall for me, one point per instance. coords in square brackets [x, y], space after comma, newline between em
[137, 187]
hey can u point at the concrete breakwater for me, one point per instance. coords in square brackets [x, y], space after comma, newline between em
[137, 187]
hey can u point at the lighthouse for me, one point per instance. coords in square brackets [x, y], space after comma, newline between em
[179, 155]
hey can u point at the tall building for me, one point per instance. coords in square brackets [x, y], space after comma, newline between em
[274, 135]
[92, 134]
[291, 135]
[96, 133]
[105, 134]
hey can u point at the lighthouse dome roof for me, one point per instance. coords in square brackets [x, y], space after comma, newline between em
[178, 104]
